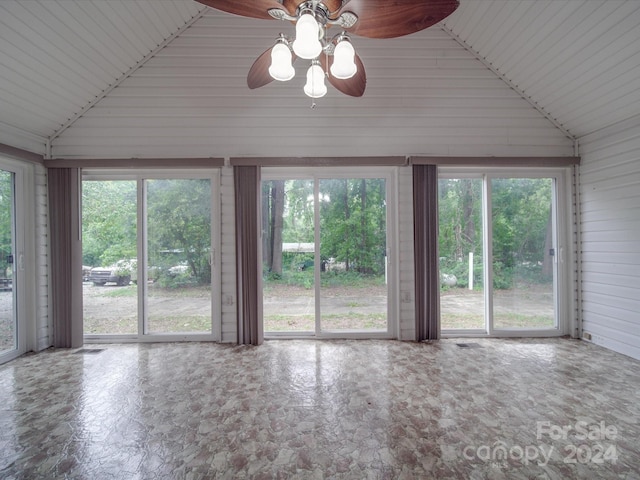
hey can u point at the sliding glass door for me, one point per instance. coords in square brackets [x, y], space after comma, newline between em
[8, 318]
[110, 257]
[462, 295]
[288, 256]
[498, 245]
[523, 253]
[325, 254]
[353, 289]
[178, 251]
[148, 254]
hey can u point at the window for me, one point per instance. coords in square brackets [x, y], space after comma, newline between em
[326, 247]
[499, 244]
[149, 247]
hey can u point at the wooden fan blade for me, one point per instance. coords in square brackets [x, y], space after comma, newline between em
[331, 5]
[384, 19]
[354, 86]
[259, 75]
[259, 72]
[253, 9]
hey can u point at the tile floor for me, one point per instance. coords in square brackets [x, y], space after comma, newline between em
[509, 409]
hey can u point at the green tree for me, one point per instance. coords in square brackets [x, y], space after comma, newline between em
[179, 224]
[273, 200]
[6, 208]
[353, 223]
[108, 221]
[460, 231]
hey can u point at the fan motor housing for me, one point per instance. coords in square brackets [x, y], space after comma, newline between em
[329, 6]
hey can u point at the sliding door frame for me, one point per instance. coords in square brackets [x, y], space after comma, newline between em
[215, 334]
[317, 174]
[563, 258]
[23, 266]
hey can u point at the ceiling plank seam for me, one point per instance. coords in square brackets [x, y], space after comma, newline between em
[511, 85]
[19, 131]
[119, 81]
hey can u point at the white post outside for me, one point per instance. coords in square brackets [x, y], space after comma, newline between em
[470, 270]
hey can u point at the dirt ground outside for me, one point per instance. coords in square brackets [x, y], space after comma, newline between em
[7, 327]
[113, 309]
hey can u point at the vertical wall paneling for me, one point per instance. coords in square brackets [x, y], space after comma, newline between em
[42, 318]
[609, 206]
[405, 246]
[576, 244]
[228, 257]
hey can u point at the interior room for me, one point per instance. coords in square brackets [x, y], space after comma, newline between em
[319, 239]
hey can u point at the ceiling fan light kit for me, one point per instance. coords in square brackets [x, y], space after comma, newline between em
[281, 68]
[307, 43]
[344, 59]
[334, 59]
[315, 86]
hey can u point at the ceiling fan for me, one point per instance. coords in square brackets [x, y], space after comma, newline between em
[334, 57]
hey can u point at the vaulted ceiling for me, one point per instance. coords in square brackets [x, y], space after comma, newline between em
[576, 63]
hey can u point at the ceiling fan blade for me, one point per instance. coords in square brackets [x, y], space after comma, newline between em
[253, 9]
[384, 19]
[354, 86]
[331, 5]
[259, 75]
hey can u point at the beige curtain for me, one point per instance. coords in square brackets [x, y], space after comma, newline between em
[427, 284]
[66, 256]
[249, 287]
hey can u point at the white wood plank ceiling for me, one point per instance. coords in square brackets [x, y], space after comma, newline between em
[579, 60]
[576, 61]
[59, 56]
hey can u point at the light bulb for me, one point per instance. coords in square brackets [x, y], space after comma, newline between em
[344, 65]
[281, 68]
[315, 87]
[307, 43]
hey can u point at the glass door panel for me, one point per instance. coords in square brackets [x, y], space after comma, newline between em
[8, 319]
[288, 252]
[109, 257]
[353, 249]
[523, 253]
[178, 233]
[462, 304]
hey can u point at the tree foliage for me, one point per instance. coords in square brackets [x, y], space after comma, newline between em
[178, 220]
[179, 225]
[353, 223]
[521, 219]
[6, 208]
[108, 221]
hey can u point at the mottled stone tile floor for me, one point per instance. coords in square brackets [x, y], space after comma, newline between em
[510, 409]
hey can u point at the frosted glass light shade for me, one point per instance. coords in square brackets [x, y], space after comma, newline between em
[281, 68]
[315, 87]
[307, 43]
[344, 65]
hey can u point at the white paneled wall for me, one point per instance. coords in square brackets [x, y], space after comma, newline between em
[228, 256]
[426, 95]
[610, 206]
[407, 279]
[43, 332]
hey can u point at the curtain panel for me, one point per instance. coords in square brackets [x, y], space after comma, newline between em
[248, 234]
[66, 256]
[427, 282]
